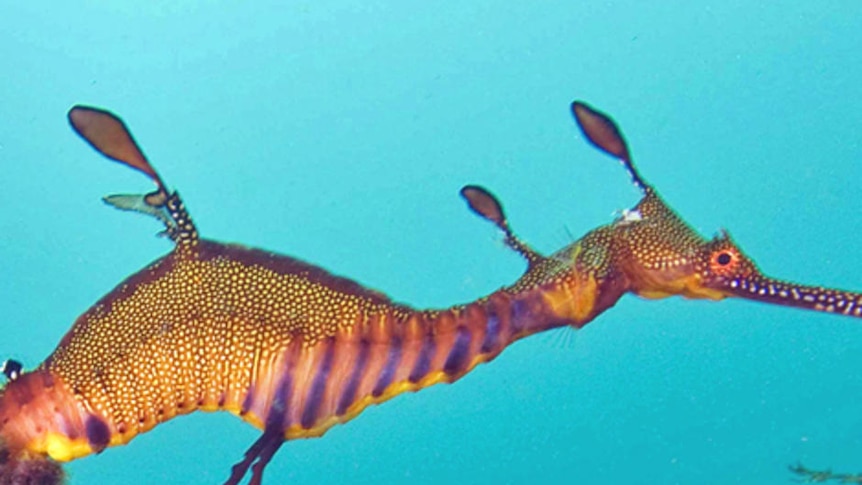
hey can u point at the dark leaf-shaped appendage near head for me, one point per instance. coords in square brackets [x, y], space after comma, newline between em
[603, 133]
[483, 202]
[109, 136]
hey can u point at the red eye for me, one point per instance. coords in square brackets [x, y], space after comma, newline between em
[724, 262]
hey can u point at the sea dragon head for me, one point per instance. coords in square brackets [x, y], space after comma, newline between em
[649, 250]
[660, 255]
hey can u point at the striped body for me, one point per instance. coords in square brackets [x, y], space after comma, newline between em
[273, 340]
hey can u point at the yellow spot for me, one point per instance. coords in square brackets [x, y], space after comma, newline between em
[573, 300]
[59, 447]
[688, 286]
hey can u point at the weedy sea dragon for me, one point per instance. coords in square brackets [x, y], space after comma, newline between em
[295, 350]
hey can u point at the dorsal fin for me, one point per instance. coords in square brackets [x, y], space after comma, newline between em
[483, 203]
[107, 133]
[603, 133]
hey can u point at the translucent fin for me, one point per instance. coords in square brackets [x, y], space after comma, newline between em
[138, 203]
[562, 339]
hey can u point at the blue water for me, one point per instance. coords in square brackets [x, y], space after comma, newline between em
[341, 131]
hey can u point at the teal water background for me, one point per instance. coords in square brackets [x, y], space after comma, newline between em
[340, 132]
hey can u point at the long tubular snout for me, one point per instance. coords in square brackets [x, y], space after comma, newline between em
[777, 292]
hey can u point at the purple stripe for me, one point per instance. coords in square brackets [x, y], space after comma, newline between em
[388, 371]
[492, 332]
[248, 401]
[355, 378]
[520, 316]
[277, 418]
[423, 361]
[98, 434]
[457, 358]
[318, 387]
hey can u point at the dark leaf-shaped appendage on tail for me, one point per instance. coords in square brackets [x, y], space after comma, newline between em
[107, 133]
[483, 203]
[109, 136]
